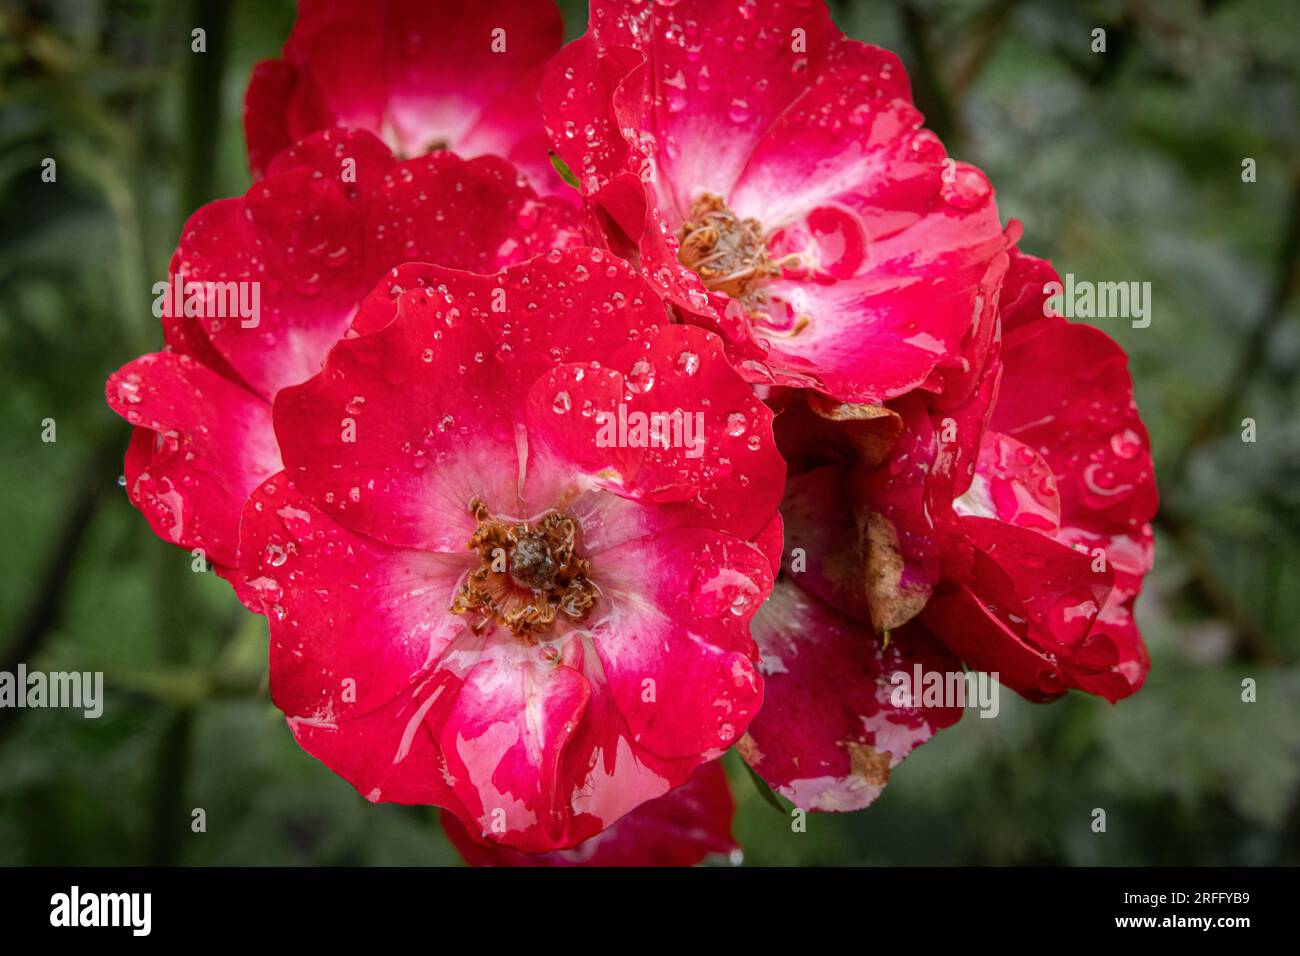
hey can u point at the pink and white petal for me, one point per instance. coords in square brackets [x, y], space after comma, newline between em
[612, 773]
[851, 141]
[1060, 589]
[1012, 484]
[338, 46]
[591, 95]
[731, 479]
[479, 215]
[1097, 446]
[986, 641]
[1131, 555]
[554, 331]
[518, 135]
[354, 158]
[681, 828]
[289, 241]
[505, 739]
[574, 448]
[579, 88]
[201, 445]
[332, 216]
[353, 622]
[706, 119]
[280, 106]
[771, 541]
[471, 80]
[266, 122]
[830, 733]
[1025, 609]
[1024, 294]
[675, 644]
[904, 312]
[404, 427]
[666, 434]
[387, 754]
[585, 431]
[463, 82]
[447, 380]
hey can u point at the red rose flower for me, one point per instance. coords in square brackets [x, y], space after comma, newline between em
[479, 597]
[774, 182]
[460, 76]
[681, 828]
[333, 214]
[510, 502]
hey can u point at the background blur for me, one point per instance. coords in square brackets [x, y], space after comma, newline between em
[1122, 166]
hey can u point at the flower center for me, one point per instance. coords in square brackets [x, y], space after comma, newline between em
[728, 253]
[529, 574]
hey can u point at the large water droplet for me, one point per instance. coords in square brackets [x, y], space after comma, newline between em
[641, 378]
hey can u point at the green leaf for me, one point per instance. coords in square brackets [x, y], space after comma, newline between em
[764, 791]
[563, 169]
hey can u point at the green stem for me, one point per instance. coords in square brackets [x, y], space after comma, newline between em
[201, 105]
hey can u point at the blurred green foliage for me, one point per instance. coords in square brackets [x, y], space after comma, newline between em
[1122, 166]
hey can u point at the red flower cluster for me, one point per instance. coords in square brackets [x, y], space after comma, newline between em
[551, 497]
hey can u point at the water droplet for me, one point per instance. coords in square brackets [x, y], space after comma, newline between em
[641, 378]
[969, 189]
[841, 242]
[1126, 444]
